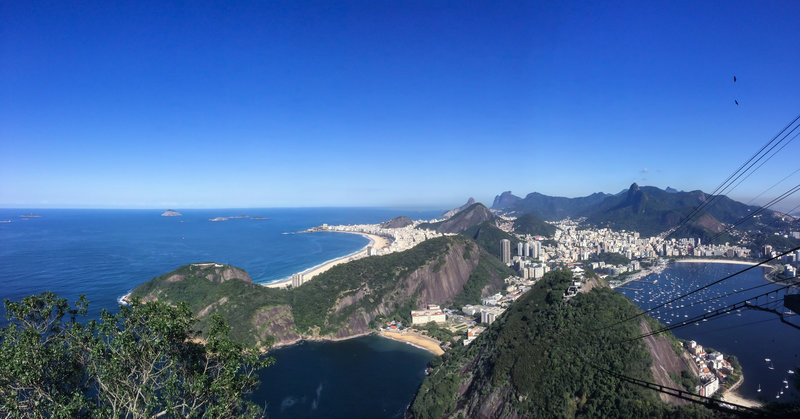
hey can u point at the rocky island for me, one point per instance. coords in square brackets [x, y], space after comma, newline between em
[171, 213]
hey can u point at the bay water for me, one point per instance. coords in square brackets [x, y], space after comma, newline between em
[766, 348]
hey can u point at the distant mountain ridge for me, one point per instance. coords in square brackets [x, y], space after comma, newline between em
[505, 200]
[475, 214]
[455, 211]
[647, 209]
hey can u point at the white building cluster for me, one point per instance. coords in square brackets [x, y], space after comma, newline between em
[433, 313]
[401, 239]
[713, 367]
[576, 245]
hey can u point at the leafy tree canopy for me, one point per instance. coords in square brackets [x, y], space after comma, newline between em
[143, 361]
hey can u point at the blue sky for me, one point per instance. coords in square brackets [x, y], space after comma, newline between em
[383, 103]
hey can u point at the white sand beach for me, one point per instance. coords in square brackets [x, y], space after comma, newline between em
[377, 242]
[429, 344]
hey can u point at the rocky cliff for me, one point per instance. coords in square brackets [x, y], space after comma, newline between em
[438, 281]
[505, 200]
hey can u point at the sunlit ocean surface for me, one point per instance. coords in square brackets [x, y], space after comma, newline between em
[106, 253]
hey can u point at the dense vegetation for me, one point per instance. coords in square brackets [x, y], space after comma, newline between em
[312, 303]
[488, 236]
[140, 362]
[473, 215]
[533, 225]
[488, 266]
[554, 208]
[198, 292]
[539, 360]
[312, 308]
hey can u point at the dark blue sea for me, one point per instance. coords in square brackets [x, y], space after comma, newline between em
[106, 253]
[752, 336]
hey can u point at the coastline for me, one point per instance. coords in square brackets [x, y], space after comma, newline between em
[731, 395]
[641, 274]
[375, 241]
[728, 261]
[422, 342]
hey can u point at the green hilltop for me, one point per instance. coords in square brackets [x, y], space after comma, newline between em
[538, 360]
[533, 225]
[347, 300]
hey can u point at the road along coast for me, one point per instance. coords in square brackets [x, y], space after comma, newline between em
[375, 241]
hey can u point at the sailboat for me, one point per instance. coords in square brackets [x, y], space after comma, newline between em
[772, 367]
[759, 388]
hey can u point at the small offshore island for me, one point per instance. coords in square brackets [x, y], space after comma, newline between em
[455, 287]
[171, 213]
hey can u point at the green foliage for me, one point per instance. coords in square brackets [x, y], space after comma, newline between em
[311, 308]
[533, 225]
[488, 268]
[140, 362]
[474, 214]
[539, 358]
[488, 237]
[313, 303]
[437, 332]
[199, 293]
[687, 380]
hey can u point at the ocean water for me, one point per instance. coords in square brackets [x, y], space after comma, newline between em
[751, 335]
[365, 377]
[106, 253]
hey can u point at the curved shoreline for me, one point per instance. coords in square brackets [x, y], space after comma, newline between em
[419, 341]
[731, 395]
[724, 261]
[374, 241]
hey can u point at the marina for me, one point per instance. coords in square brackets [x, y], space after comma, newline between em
[751, 336]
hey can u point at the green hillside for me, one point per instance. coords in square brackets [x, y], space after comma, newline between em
[533, 225]
[488, 236]
[343, 301]
[473, 215]
[538, 360]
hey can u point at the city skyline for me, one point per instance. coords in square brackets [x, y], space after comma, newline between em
[208, 105]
